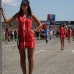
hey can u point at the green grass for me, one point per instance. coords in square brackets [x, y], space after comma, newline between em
[3, 37]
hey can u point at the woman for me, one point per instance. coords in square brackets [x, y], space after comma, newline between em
[6, 35]
[37, 35]
[25, 34]
[69, 34]
[15, 35]
[73, 34]
[66, 34]
[62, 34]
[51, 34]
[46, 35]
[41, 34]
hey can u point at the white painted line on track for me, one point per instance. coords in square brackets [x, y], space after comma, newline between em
[58, 43]
[65, 43]
[40, 51]
[72, 51]
[13, 50]
[71, 43]
[9, 46]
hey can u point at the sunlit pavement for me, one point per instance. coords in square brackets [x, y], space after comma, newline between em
[49, 58]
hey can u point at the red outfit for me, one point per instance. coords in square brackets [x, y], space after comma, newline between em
[6, 33]
[26, 37]
[62, 32]
[73, 32]
[69, 32]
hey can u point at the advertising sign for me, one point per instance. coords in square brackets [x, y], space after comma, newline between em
[50, 17]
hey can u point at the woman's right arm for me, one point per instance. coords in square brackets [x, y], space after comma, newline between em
[5, 18]
[58, 29]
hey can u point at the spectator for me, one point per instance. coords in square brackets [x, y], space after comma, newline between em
[6, 35]
[15, 35]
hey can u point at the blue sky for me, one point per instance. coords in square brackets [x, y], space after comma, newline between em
[63, 9]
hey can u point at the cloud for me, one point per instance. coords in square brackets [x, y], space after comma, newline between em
[10, 2]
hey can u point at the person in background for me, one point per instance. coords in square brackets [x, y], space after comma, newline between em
[25, 34]
[73, 33]
[15, 35]
[62, 34]
[69, 34]
[37, 35]
[11, 36]
[40, 34]
[66, 32]
[46, 35]
[43, 35]
[6, 35]
[57, 34]
[51, 34]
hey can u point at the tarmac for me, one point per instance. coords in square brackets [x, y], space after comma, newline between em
[49, 58]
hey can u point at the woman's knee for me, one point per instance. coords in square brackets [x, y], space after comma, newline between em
[30, 54]
[30, 58]
[22, 55]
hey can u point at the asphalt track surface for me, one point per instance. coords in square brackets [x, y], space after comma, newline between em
[49, 58]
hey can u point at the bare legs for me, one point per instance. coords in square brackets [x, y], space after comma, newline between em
[23, 60]
[6, 40]
[31, 60]
[68, 39]
[62, 43]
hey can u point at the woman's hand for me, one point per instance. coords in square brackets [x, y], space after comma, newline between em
[1, 9]
[33, 31]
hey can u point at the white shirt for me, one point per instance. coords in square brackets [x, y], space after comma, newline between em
[51, 33]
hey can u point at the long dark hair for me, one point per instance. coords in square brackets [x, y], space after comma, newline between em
[29, 12]
[62, 25]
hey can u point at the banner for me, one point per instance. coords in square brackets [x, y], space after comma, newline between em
[45, 22]
[59, 22]
[50, 17]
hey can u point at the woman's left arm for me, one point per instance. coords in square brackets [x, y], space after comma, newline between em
[38, 22]
[66, 27]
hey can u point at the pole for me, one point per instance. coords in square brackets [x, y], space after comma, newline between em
[0, 40]
[54, 35]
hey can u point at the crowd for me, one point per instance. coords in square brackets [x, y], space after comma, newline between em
[40, 34]
[10, 35]
[50, 33]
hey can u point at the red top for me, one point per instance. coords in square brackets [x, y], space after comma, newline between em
[73, 32]
[69, 32]
[6, 33]
[62, 32]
